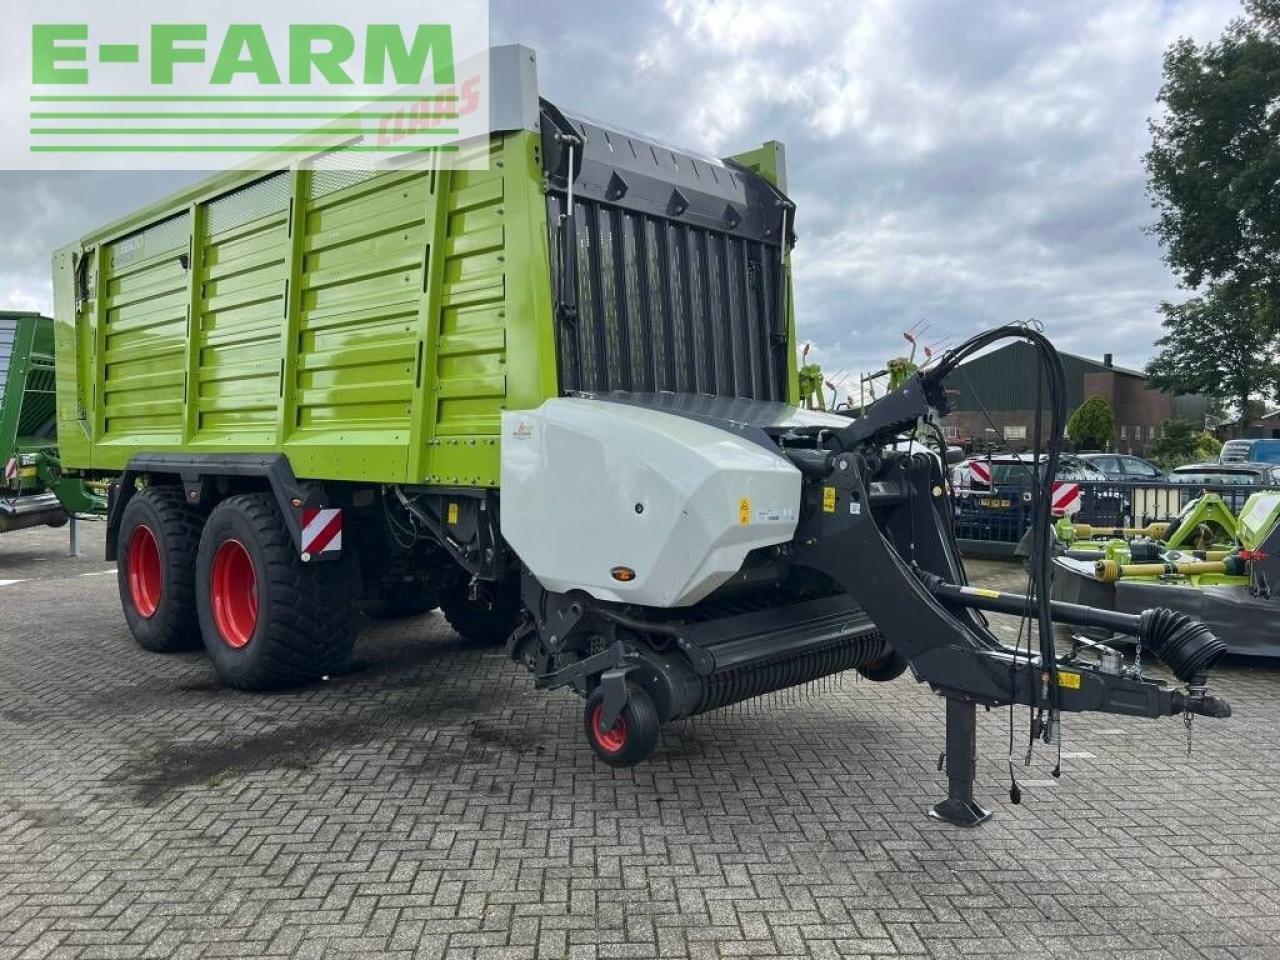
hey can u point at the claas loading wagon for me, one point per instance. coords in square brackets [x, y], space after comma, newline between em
[556, 398]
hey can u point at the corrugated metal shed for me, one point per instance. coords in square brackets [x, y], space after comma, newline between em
[1005, 379]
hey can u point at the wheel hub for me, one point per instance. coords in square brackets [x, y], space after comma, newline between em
[613, 739]
[233, 593]
[146, 581]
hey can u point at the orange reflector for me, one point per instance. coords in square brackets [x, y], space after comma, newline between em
[624, 574]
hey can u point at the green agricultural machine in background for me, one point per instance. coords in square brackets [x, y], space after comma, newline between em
[555, 396]
[33, 491]
[1207, 562]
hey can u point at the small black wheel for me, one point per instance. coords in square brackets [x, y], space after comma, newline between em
[268, 619]
[60, 520]
[156, 569]
[633, 735]
[890, 667]
[488, 618]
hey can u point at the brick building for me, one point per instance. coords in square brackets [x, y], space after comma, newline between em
[1001, 386]
[1266, 427]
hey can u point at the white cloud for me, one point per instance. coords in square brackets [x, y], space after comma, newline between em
[969, 163]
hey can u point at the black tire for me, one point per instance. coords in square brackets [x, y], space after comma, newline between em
[168, 622]
[633, 738]
[59, 521]
[487, 621]
[889, 668]
[401, 590]
[304, 615]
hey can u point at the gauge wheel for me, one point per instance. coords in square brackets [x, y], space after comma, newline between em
[632, 737]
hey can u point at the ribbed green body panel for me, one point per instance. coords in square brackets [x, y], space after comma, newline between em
[26, 382]
[370, 327]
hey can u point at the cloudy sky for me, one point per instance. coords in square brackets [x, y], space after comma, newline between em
[956, 163]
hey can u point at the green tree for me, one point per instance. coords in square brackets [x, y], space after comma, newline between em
[1092, 425]
[1179, 443]
[1225, 345]
[1207, 447]
[1214, 176]
[1175, 446]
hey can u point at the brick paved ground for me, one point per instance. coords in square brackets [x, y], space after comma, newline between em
[429, 803]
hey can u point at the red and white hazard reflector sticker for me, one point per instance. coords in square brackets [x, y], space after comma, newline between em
[321, 531]
[11, 469]
[1066, 498]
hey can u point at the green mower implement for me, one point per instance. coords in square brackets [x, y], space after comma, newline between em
[1207, 562]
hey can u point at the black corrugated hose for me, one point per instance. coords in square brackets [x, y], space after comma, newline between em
[1186, 646]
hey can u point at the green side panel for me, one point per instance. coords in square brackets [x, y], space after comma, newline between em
[15, 345]
[1207, 510]
[74, 363]
[36, 421]
[351, 380]
[239, 294]
[141, 336]
[770, 162]
[492, 328]
[1259, 516]
[26, 382]
[369, 326]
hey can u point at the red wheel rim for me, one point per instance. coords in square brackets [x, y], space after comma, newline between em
[233, 594]
[145, 580]
[613, 739]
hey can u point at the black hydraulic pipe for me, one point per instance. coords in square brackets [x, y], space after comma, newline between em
[1187, 646]
[1019, 605]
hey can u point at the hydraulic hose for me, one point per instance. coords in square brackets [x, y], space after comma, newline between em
[1049, 363]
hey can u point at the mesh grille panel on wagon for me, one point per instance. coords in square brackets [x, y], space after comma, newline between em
[664, 305]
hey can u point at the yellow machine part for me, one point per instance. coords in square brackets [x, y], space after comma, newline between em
[1109, 571]
[1153, 530]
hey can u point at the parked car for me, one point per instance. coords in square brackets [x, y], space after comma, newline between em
[1246, 474]
[1223, 477]
[980, 473]
[1250, 451]
[1124, 467]
[993, 494]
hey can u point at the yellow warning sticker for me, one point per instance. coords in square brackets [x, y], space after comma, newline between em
[744, 511]
[981, 592]
[1068, 681]
[828, 499]
[452, 516]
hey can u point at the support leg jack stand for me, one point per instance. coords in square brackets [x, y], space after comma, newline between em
[960, 808]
